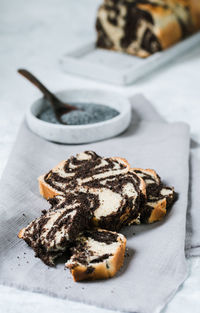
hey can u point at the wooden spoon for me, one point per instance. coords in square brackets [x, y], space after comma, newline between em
[58, 106]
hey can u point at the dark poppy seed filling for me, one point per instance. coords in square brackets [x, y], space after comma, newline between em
[101, 258]
[152, 181]
[94, 247]
[156, 192]
[51, 234]
[112, 198]
[108, 179]
[134, 27]
[97, 197]
[119, 197]
[89, 270]
[86, 166]
[102, 236]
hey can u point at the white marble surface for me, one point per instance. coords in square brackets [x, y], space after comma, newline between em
[33, 34]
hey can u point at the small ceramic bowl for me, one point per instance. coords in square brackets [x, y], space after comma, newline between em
[77, 134]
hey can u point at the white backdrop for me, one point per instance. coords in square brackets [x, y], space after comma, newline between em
[34, 34]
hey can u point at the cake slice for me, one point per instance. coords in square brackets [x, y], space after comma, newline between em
[157, 206]
[98, 254]
[119, 198]
[52, 233]
[86, 166]
[115, 199]
[159, 197]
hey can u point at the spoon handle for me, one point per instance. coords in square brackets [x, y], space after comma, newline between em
[37, 83]
[58, 106]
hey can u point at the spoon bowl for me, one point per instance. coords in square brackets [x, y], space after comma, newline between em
[79, 134]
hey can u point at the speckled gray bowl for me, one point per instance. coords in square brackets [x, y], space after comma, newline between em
[77, 134]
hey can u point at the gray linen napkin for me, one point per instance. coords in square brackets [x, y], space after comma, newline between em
[155, 265]
[192, 240]
[193, 214]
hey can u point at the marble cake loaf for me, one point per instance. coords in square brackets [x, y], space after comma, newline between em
[52, 233]
[97, 254]
[143, 27]
[117, 192]
[159, 197]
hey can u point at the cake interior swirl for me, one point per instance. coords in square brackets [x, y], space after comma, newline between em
[52, 233]
[91, 198]
[159, 197]
[82, 169]
[143, 27]
[96, 254]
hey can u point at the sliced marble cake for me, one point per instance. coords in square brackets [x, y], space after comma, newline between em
[159, 197]
[51, 233]
[117, 191]
[86, 166]
[98, 254]
[116, 198]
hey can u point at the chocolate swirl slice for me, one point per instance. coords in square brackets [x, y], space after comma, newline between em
[118, 197]
[51, 233]
[119, 191]
[85, 167]
[143, 27]
[97, 254]
[159, 197]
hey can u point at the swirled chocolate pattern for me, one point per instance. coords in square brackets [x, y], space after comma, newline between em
[95, 192]
[95, 253]
[159, 197]
[143, 27]
[85, 167]
[51, 233]
[119, 199]
[118, 190]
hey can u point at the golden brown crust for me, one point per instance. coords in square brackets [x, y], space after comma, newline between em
[170, 32]
[158, 212]
[49, 192]
[169, 35]
[159, 209]
[20, 235]
[166, 25]
[195, 13]
[101, 271]
[118, 258]
[46, 190]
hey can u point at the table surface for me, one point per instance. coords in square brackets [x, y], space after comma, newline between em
[33, 35]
